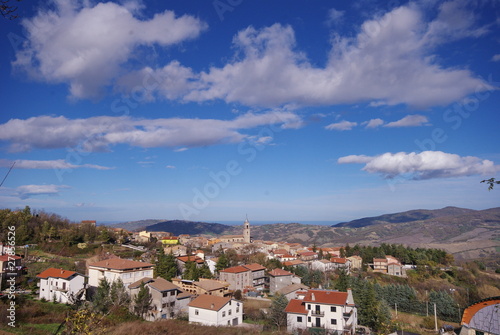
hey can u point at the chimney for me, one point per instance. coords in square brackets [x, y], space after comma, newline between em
[212, 306]
[313, 298]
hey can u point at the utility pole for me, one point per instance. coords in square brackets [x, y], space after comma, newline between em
[396, 307]
[435, 318]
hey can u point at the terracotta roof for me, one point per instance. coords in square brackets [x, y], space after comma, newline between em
[6, 258]
[210, 302]
[161, 285]
[293, 262]
[56, 273]
[279, 272]
[295, 306]
[235, 269]
[338, 260]
[326, 297]
[121, 264]
[210, 285]
[471, 311]
[254, 267]
[308, 253]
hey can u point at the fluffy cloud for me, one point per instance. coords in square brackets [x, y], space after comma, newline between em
[373, 123]
[85, 45]
[99, 133]
[424, 165]
[342, 125]
[409, 121]
[27, 191]
[389, 61]
[52, 164]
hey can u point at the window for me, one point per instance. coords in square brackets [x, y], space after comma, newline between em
[196, 312]
[237, 309]
[309, 306]
[299, 319]
[333, 309]
[333, 321]
[229, 312]
[308, 319]
[223, 313]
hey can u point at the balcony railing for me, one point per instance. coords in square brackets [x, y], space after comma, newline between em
[317, 313]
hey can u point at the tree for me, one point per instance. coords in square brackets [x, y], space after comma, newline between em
[8, 11]
[222, 263]
[204, 271]
[118, 294]
[191, 271]
[101, 301]
[142, 301]
[277, 312]
[342, 282]
[491, 183]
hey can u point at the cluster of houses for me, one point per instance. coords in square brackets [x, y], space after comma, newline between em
[211, 301]
[207, 301]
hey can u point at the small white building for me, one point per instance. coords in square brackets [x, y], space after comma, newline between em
[211, 310]
[333, 311]
[114, 268]
[61, 285]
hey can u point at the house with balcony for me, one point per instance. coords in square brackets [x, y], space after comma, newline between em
[61, 286]
[10, 265]
[211, 310]
[356, 262]
[204, 286]
[322, 310]
[117, 268]
[168, 300]
[258, 275]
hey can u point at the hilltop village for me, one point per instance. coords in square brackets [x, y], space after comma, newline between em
[216, 281]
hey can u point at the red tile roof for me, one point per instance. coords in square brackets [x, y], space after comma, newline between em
[56, 273]
[210, 302]
[254, 267]
[338, 260]
[120, 264]
[326, 297]
[296, 306]
[236, 269]
[279, 272]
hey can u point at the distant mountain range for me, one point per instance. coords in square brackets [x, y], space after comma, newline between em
[466, 233]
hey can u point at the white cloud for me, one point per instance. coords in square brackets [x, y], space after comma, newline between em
[496, 58]
[342, 125]
[424, 165]
[390, 61]
[374, 123]
[409, 121]
[51, 164]
[99, 133]
[85, 45]
[27, 191]
[335, 16]
[170, 167]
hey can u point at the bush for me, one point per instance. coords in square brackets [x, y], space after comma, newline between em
[428, 322]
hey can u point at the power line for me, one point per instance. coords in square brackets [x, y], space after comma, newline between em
[7, 173]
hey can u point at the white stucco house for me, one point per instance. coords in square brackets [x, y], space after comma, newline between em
[332, 311]
[212, 310]
[61, 285]
[114, 268]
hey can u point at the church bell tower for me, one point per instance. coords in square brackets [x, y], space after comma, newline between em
[246, 231]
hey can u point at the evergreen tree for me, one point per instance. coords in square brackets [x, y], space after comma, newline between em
[191, 271]
[204, 271]
[171, 266]
[161, 264]
[101, 300]
[222, 263]
[342, 282]
[142, 301]
[118, 294]
[277, 312]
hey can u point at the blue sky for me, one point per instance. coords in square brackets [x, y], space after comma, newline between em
[279, 110]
